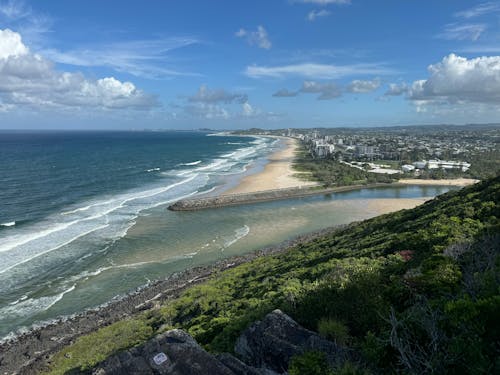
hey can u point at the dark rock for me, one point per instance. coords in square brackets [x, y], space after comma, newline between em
[272, 342]
[176, 352]
[240, 368]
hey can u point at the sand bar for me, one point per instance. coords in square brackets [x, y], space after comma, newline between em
[447, 182]
[385, 205]
[277, 174]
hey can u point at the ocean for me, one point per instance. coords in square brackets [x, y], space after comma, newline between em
[83, 215]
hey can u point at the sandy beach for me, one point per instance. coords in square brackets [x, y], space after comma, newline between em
[387, 205]
[448, 182]
[277, 174]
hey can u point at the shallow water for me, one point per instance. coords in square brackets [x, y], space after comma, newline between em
[123, 240]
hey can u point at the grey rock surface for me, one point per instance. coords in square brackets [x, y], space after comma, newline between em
[175, 353]
[183, 357]
[265, 348]
[272, 342]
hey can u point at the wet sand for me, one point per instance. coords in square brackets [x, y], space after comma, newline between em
[386, 205]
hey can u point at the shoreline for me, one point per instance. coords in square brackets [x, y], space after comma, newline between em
[28, 351]
[444, 182]
[278, 173]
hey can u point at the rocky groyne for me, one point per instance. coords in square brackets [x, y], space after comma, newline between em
[195, 204]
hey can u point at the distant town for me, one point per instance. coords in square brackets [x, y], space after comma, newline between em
[433, 151]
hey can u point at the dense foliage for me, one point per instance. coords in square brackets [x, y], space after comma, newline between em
[331, 172]
[416, 291]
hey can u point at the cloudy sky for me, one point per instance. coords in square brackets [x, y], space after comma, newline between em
[231, 64]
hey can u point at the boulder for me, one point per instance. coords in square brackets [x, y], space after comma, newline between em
[174, 353]
[240, 368]
[171, 353]
[272, 342]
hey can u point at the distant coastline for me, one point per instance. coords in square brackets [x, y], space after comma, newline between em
[279, 181]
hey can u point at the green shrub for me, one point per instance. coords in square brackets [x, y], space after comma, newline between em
[334, 330]
[349, 368]
[309, 363]
[88, 351]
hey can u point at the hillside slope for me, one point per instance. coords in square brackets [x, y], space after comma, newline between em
[416, 291]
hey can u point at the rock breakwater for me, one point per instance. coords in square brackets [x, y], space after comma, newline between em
[195, 204]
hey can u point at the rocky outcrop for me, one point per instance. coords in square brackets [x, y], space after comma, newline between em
[172, 353]
[272, 342]
[265, 348]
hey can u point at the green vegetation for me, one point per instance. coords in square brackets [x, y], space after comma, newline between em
[333, 330]
[331, 172]
[88, 351]
[310, 363]
[416, 291]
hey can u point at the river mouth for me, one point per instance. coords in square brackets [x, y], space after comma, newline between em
[163, 242]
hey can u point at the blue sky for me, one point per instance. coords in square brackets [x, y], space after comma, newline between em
[239, 64]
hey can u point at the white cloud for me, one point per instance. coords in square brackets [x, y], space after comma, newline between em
[479, 10]
[331, 90]
[459, 80]
[327, 90]
[143, 58]
[28, 79]
[396, 89]
[11, 45]
[220, 104]
[313, 14]
[258, 37]
[205, 95]
[323, 2]
[33, 26]
[207, 111]
[316, 71]
[462, 32]
[363, 86]
[248, 110]
[14, 10]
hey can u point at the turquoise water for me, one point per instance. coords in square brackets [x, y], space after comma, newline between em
[107, 233]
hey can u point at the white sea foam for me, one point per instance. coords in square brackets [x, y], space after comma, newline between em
[238, 235]
[153, 170]
[87, 274]
[192, 163]
[207, 191]
[30, 306]
[9, 224]
[85, 208]
[93, 227]
[60, 296]
[29, 258]
[25, 247]
[24, 297]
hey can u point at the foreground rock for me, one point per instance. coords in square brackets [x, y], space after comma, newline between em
[173, 353]
[272, 342]
[265, 348]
